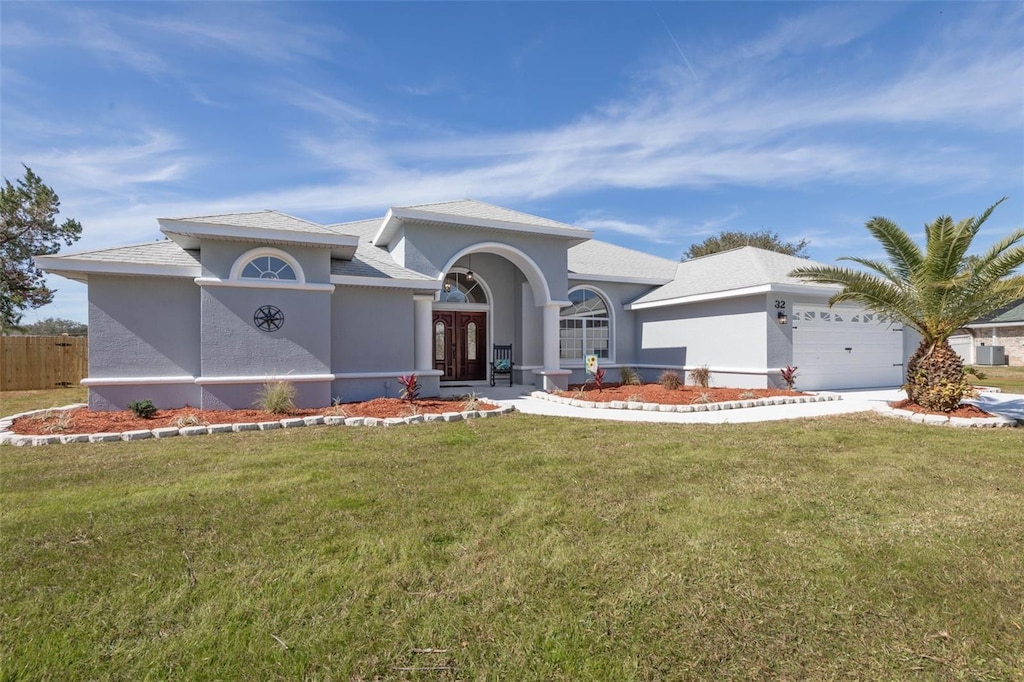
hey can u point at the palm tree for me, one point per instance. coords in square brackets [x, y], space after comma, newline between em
[936, 291]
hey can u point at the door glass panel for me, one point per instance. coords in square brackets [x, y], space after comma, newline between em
[439, 341]
[471, 341]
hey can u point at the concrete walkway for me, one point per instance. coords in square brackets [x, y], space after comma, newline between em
[852, 401]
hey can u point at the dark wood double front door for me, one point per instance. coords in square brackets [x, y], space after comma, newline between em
[460, 345]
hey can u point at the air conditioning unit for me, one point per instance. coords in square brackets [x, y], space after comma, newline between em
[990, 355]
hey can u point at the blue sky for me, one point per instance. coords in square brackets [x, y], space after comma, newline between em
[654, 124]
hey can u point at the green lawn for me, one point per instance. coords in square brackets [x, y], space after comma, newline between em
[14, 402]
[523, 548]
[1010, 379]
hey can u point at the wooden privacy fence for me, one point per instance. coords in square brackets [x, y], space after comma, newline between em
[37, 362]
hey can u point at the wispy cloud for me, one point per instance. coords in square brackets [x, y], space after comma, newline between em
[151, 156]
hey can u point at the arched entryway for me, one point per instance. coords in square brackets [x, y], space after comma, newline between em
[460, 327]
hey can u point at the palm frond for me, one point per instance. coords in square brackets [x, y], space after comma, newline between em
[906, 256]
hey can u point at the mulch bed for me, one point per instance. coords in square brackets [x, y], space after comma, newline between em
[684, 395]
[965, 411]
[81, 420]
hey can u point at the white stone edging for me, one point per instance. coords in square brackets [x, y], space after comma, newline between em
[7, 437]
[690, 407]
[994, 421]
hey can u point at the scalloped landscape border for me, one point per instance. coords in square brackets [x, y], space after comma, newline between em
[691, 407]
[929, 419]
[9, 438]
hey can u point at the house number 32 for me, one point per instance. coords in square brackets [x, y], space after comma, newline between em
[780, 305]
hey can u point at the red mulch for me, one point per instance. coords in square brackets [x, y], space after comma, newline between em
[966, 411]
[684, 395]
[84, 421]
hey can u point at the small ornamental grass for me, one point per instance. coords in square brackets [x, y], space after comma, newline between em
[628, 376]
[701, 376]
[277, 397]
[670, 381]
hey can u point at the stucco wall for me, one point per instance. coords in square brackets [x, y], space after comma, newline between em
[217, 257]
[726, 335]
[371, 330]
[143, 327]
[427, 249]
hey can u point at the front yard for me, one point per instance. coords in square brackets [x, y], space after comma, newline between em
[519, 548]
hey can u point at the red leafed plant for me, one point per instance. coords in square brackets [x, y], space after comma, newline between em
[410, 387]
[789, 375]
[598, 379]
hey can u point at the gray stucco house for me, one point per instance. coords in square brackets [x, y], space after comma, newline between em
[228, 302]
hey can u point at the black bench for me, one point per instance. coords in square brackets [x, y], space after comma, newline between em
[501, 362]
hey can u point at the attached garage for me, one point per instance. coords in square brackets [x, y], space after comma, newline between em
[845, 347]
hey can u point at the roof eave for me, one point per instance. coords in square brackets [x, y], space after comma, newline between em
[394, 216]
[734, 293]
[186, 234]
[79, 270]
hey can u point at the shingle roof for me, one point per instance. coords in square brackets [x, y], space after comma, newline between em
[164, 252]
[1011, 313]
[364, 229]
[260, 220]
[371, 261]
[471, 208]
[740, 268]
[601, 259]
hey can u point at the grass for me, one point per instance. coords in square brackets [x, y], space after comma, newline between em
[1010, 379]
[522, 548]
[14, 402]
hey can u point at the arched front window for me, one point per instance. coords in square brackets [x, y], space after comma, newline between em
[585, 327]
[268, 267]
[462, 287]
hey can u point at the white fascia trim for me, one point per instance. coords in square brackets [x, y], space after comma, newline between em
[136, 381]
[263, 378]
[584, 278]
[990, 325]
[60, 265]
[388, 375]
[395, 215]
[385, 283]
[552, 372]
[257, 234]
[735, 293]
[263, 284]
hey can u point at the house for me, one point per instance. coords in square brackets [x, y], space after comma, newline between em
[228, 302]
[1003, 328]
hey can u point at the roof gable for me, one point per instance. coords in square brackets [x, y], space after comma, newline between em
[1011, 314]
[735, 272]
[268, 227]
[475, 214]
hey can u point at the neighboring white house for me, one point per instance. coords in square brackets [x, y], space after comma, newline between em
[228, 302]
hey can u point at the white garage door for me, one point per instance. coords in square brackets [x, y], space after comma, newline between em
[845, 347]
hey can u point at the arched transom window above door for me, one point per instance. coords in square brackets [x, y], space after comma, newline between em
[462, 287]
[585, 327]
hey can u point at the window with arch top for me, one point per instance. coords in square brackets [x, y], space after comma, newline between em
[268, 267]
[585, 327]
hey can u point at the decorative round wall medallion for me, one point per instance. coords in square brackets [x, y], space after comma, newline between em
[268, 318]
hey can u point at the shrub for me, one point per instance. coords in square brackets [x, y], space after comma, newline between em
[471, 402]
[55, 421]
[277, 397]
[144, 409]
[702, 398]
[188, 420]
[701, 376]
[628, 376]
[748, 395]
[670, 380]
[410, 387]
[789, 375]
[597, 378]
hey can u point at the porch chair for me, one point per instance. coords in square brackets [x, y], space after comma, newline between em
[501, 362]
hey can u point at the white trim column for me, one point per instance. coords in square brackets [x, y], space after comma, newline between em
[554, 377]
[423, 316]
